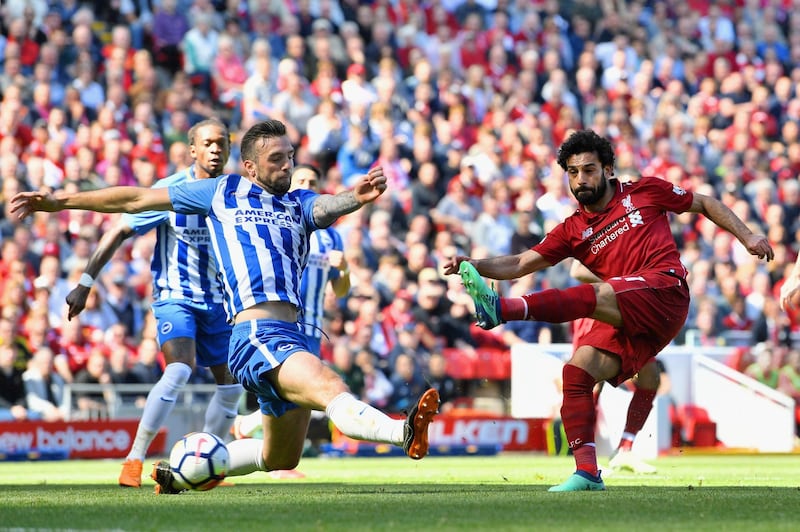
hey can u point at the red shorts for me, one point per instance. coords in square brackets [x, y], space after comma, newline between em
[654, 307]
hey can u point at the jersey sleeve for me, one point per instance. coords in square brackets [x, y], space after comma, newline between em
[142, 222]
[193, 198]
[555, 247]
[665, 195]
[307, 199]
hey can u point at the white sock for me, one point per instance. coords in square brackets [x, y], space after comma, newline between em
[361, 421]
[222, 409]
[160, 402]
[250, 423]
[245, 456]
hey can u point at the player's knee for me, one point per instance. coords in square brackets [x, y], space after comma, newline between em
[222, 375]
[648, 377]
[180, 357]
[281, 462]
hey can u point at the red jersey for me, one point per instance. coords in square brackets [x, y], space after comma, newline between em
[631, 236]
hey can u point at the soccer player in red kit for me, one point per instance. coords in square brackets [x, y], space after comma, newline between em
[621, 233]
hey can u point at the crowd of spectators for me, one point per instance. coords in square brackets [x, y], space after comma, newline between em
[463, 102]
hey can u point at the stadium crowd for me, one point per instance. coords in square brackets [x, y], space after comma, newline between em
[462, 102]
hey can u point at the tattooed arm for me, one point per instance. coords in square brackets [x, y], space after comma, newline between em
[329, 207]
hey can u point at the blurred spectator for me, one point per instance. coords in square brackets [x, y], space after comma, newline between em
[357, 154]
[763, 368]
[294, 105]
[50, 276]
[492, 229]
[199, 47]
[789, 374]
[436, 376]
[12, 387]
[147, 368]
[169, 27]
[44, 388]
[457, 210]
[93, 404]
[259, 88]
[98, 314]
[377, 388]
[407, 382]
[121, 297]
[10, 335]
[344, 364]
[228, 76]
[325, 134]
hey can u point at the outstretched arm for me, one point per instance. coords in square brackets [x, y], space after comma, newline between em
[720, 214]
[106, 247]
[329, 207]
[112, 199]
[505, 267]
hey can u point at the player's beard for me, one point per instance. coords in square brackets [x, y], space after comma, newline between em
[591, 195]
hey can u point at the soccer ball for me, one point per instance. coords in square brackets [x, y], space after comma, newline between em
[199, 461]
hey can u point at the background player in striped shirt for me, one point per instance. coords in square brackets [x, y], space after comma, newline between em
[260, 232]
[191, 322]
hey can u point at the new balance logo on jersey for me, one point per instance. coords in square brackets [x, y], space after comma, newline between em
[635, 218]
[589, 231]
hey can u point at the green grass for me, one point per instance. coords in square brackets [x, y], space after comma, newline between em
[508, 492]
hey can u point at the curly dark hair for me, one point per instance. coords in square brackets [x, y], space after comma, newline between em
[586, 141]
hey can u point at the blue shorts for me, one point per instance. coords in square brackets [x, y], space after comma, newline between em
[314, 346]
[259, 346]
[207, 325]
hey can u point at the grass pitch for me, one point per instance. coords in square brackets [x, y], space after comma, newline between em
[507, 492]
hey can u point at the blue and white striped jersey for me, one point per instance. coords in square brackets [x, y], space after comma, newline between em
[260, 241]
[183, 264]
[317, 274]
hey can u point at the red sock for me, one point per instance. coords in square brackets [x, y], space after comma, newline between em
[586, 459]
[578, 416]
[552, 306]
[625, 444]
[639, 409]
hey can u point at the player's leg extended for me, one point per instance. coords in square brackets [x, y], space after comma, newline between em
[596, 300]
[646, 384]
[587, 367]
[280, 449]
[305, 380]
[179, 354]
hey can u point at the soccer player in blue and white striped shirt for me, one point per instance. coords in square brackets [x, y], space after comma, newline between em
[260, 233]
[326, 264]
[190, 319]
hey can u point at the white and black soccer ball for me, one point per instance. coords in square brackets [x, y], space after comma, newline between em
[199, 461]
